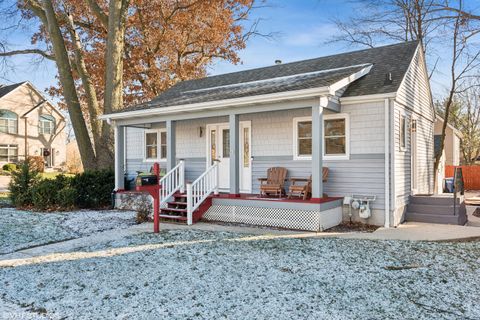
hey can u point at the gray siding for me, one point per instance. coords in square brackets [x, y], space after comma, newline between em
[414, 100]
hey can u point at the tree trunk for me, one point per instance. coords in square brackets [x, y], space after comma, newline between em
[68, 87]
[113, 99]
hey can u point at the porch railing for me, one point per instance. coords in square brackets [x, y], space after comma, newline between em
[172, 182]
[200, 189]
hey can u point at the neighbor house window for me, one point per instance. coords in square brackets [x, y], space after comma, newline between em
[8, 121]
[155, 145]
[8, 153]
[335, 137]
[46, 124]
[403, 132]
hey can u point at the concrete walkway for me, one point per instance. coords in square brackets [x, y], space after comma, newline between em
[407, 231]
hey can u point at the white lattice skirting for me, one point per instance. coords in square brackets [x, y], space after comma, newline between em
[276, 217]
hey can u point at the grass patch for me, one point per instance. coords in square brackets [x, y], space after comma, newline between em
[52, 175]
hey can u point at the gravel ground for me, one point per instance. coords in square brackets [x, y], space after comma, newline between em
[192, 274]
[24, 229]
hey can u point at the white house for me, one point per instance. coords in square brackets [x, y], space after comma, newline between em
[366, 115]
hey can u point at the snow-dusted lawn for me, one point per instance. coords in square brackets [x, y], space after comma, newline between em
[188, 274]
[23, 229]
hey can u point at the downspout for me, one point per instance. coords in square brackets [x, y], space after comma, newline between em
[387, 163]
[26, 138]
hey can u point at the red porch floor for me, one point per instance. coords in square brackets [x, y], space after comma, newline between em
[247, 196]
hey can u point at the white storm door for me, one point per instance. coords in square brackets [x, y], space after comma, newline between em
[245, 157]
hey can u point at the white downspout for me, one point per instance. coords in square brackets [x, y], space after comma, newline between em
[387, 163]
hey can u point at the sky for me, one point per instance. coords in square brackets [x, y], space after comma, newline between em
[302, 30]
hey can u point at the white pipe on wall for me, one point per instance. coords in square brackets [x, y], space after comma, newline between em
[387, 163]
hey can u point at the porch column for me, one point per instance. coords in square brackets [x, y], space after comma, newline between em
[119, 132]
[171, 140]
[317, 150]
[234, 156]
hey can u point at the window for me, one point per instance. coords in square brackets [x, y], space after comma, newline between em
[403, 132]
[335, 137]
[155, 145]
[8, 121]
[46, 124]
[8, 153]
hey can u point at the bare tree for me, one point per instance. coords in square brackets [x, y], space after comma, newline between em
[430, 22]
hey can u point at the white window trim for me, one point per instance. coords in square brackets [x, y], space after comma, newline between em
[402, 114]
[345, 156]
[159, 147]
[296, 156]
[9, 148]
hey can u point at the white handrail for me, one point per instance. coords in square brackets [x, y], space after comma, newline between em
[200, 189]
[172, 182]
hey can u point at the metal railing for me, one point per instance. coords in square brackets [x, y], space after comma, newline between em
[200, 189]
[172, 182]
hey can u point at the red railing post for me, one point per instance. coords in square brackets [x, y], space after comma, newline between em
[156, 201]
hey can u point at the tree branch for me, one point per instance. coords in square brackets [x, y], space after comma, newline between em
[28, 51]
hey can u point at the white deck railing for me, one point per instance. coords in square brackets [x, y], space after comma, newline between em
[172, 182]
[201, 188]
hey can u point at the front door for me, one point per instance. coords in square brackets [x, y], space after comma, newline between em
[218, 147]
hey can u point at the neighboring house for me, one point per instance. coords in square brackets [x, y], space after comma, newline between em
[366, 115]
[451, 151]
[30, 125]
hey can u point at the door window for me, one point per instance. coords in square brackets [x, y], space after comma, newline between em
[226, 143]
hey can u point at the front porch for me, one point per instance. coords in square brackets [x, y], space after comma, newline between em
[214, 164]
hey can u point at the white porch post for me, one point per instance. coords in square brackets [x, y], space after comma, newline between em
[317, 148]
[234, 156]
[119, 133]
[171, 140]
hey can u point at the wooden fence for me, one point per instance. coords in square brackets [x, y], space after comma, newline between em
[471, 176]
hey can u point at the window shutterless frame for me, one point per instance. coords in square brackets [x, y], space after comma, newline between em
[402, 134]
[160, 148]
[326, 117]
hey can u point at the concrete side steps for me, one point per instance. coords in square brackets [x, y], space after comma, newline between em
[446, 200]
[436, 209]
[436, 218]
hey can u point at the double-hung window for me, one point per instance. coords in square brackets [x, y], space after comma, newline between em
[155, 146]
[8, 153]
[8, 121]
[46, 124]
[335, 138]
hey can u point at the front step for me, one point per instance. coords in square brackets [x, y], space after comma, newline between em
[436, 218]
[176, 210]
[436, 209]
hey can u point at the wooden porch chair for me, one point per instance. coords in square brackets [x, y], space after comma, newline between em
[274, 183]
[304, 190]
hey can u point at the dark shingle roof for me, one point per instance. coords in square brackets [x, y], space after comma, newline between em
[5, 89]
[305, 74]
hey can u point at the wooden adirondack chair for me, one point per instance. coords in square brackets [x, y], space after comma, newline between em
[274, 182]
[304, 190]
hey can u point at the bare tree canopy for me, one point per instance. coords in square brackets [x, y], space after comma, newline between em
[448, 31]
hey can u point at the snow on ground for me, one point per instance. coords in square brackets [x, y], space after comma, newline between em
[23, 229]
[191, 274]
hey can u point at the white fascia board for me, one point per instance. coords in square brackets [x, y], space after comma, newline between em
[347, 80]
[211, 105]
[368, 98]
